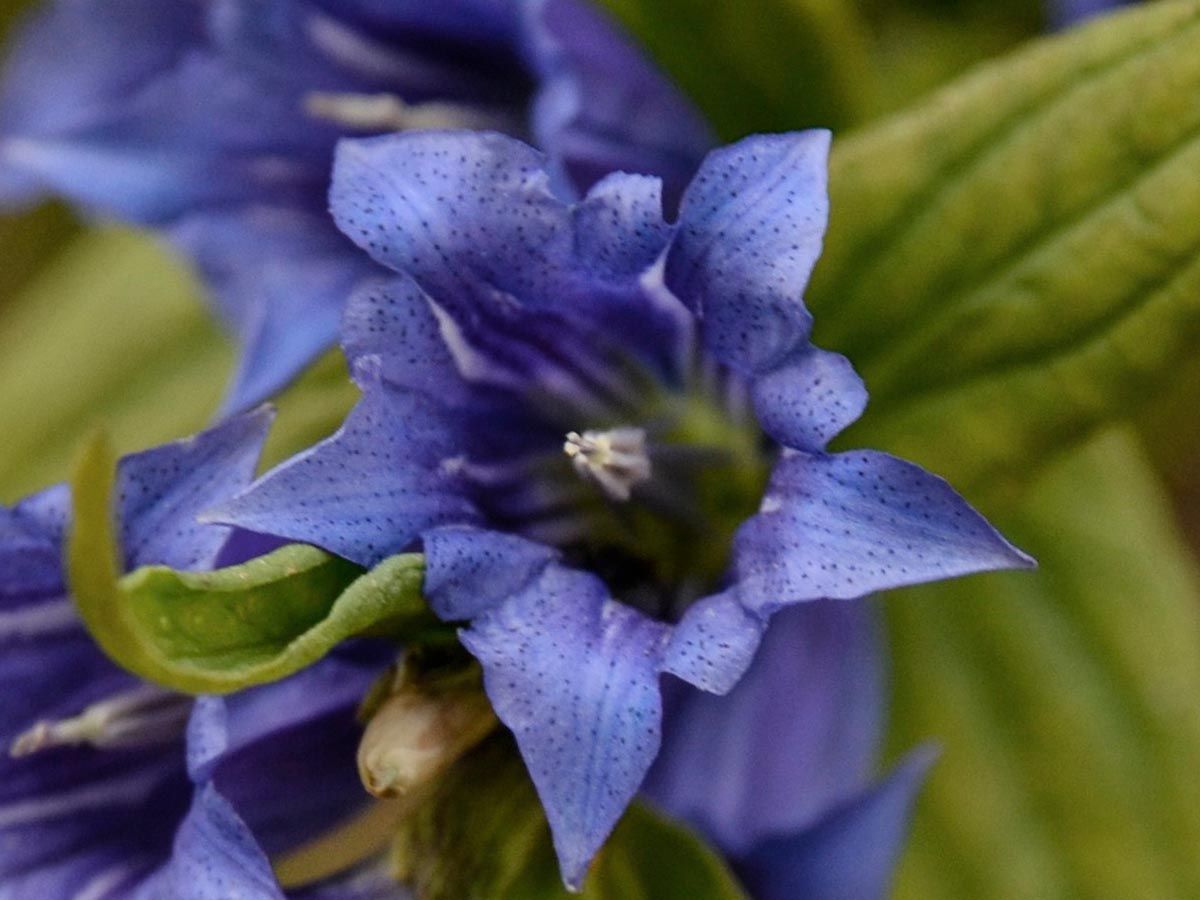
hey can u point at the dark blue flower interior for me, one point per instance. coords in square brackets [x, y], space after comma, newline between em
[659, 536]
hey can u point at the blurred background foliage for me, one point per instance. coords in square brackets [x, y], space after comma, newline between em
[1013, 265]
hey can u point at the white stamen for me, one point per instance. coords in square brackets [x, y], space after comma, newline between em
[387, 112]
[140, 717]
[615, 459]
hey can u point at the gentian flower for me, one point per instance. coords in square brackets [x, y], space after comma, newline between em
[777, 772]
[93, 782]
[1064, 13]
[607, 434]
[215, 121]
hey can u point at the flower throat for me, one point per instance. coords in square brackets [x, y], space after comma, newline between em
[648, 496]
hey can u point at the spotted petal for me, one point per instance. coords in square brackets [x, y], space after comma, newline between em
[846, 525]
[574, 674]
[751, 225]
[273, 767]
[78, 812]
[527, 281]
[369, 490]
[163, 490]
[796, 736]
[257, 745]
[809, 398]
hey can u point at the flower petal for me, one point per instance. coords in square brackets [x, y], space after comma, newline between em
[392, 322]
[259, 745]
[574, 674]
[367, 491]
[215, 858]
[602, 106]
[201, 134]
[503, 234]
[847, 525]
[750, 230]
[163, 490]
[809, 398]
[364, 47]
[113, 47]
[280, 277]
[852, 852]
[67, 808]
[797, 735]
[469, 571]
[110, 871]
[536, 292]
[714, 643]
[80, 801]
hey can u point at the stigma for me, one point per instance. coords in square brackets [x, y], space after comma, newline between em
[615, 459]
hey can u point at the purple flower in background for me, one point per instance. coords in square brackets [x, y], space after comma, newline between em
[93, 781]
[1064, 13]
[775, 772]
[215, 121]
[607, 433]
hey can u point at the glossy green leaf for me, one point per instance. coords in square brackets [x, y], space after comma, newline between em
[1067, 700]
[1017, 261]
[759, 65]
[215, 632]
[483, 835]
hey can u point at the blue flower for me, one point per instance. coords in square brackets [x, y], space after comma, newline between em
[607, 433]
[1064, 13]
[215, 121]
[777, 772]
[93, 779]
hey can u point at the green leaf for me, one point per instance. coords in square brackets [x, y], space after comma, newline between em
[1066, 700]
[114, 333]
[483, 835]
[1016, 262]
[759, 65]
[216, 632]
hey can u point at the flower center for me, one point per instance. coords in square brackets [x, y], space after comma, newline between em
[650, 507]
[614, 459]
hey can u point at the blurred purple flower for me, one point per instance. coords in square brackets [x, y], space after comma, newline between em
[215, 121]
[776, 772]
[574, 411]
[1064, 13]
[93, 782]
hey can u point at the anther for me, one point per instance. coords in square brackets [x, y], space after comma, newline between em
[615, 459]
[142, 716]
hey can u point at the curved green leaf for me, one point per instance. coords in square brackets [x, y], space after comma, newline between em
[1067, 701]
[216, 632]
[1017, 261]
[483, 835]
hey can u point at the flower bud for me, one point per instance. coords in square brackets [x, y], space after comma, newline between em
[416, 734]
